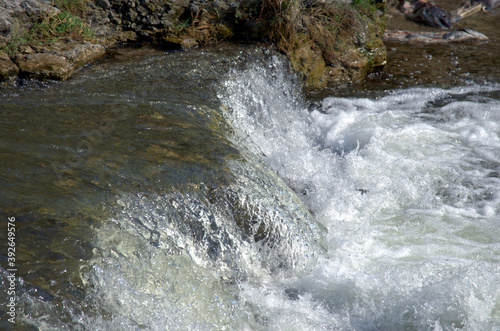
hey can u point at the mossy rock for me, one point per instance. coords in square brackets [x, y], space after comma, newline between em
[7, 68]
[308, 61]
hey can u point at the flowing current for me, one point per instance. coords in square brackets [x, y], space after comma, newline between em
[352, 213]
[407, 185]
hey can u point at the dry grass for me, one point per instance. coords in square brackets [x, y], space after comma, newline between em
[327, 24]
[75, 7]
[62, 24]
[324, 23]
[201, 26]
[68, 22]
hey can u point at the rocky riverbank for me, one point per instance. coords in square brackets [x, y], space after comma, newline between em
[328, 43]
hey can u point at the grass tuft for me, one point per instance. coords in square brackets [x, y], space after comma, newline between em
[75, 7]
[52, 27]
[62, 24]
[324, 23]
[316, 33]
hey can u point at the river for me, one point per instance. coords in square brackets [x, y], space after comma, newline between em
[203, 190]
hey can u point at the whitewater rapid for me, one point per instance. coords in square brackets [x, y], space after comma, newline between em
[408, 186]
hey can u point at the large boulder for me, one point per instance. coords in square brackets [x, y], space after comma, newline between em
[330, 42]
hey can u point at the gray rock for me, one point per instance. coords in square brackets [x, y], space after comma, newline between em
[44, 66]
[83, 54]
[5, 22]
[61, 62]
[104, 4]
[7, 68]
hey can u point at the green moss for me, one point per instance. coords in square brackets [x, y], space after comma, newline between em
[325, 33]
[306, 59]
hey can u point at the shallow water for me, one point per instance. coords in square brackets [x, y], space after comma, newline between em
[408, 188]
[201, 190]
[431, 65]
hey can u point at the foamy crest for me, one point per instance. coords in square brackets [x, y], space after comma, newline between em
[408, 186]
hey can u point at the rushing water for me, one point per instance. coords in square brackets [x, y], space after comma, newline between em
[202, 191]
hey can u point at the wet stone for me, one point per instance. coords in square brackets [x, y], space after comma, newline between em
[7, 68]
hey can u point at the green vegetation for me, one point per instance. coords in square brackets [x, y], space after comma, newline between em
[201, 27]
[16, 40]
[75, 7]
[324, 23]
[62, 24]
[315, 33]
[54, 26]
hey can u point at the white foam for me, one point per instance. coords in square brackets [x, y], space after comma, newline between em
[408, 187]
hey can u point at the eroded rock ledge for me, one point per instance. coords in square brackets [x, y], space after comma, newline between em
[328, 42]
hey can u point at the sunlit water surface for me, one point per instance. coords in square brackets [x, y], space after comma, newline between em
[202, 191]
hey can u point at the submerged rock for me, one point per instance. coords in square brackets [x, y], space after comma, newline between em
[464, 35]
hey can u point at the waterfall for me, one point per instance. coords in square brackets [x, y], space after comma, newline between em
[229, 201]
